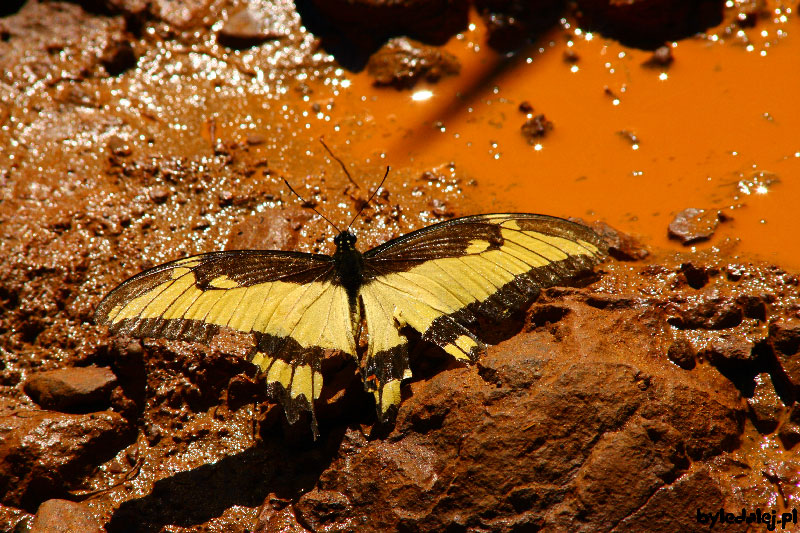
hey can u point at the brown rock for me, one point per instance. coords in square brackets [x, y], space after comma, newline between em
[765, 406]
[429, 20]
[320, 508]
[158, 195]
[567, 434]
[14, 520]
[512, 23]
[715, 313]
[789, 431]
[693, 225]
[784, 337]
[674, 507]
[71, 389]
[535, 128]
[245, 29]
[661, 58]
[697, 276]
[621, 246]
[64, 516]
[402, 62]
[43, 453]
[649, 23]
[682, 353]
[730, 349]
[283, 520]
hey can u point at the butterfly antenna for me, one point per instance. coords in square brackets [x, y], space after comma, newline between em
[388, 168]
[341, 164]
[307, 204]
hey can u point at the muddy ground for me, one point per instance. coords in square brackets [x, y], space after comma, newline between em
[663, 391]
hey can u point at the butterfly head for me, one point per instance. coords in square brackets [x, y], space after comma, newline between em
[345, 241]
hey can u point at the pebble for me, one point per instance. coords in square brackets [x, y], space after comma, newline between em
[71, 389]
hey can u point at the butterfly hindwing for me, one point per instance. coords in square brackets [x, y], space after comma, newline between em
[290, 302]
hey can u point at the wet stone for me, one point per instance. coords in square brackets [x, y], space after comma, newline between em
[621, 246]
[245, 29]
[697, 276]
[158, 195]
[535, 128]
[402, 62]
[513, 23]
[649, 23]
[765, 406]
[72, 389]
[693, 225]
[730, 350]
[717, 313]
[44, 453]
[789, 432]
[682, 353]
[784, 337]
[661, 58]
[64, 516]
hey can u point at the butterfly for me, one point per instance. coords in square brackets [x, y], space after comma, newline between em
[437, 280]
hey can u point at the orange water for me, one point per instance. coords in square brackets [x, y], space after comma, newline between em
[721, 114]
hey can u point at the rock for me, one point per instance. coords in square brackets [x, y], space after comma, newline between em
[648, 23]
[674, 507]
[730, 350]
[513, 23]
[693, 225]
[72, 389]
[535, 128]
[367, 20]
[714, 313]
[158, 195]
[621, 246]
[14, 520]
[402, 62]
[661, 58]
[283, 520]
[245, 29]
[682, 353]
[765, 406]
[319, 508]
[784, 337]
[789, 432]
[43, 453]
[64, 516]
[696, 276]
[563, 434]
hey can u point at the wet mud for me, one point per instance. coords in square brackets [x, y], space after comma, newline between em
[663, 388]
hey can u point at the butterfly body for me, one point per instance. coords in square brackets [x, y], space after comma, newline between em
[440, 280]
[349, 263]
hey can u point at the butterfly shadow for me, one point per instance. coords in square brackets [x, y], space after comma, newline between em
[275, 467]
